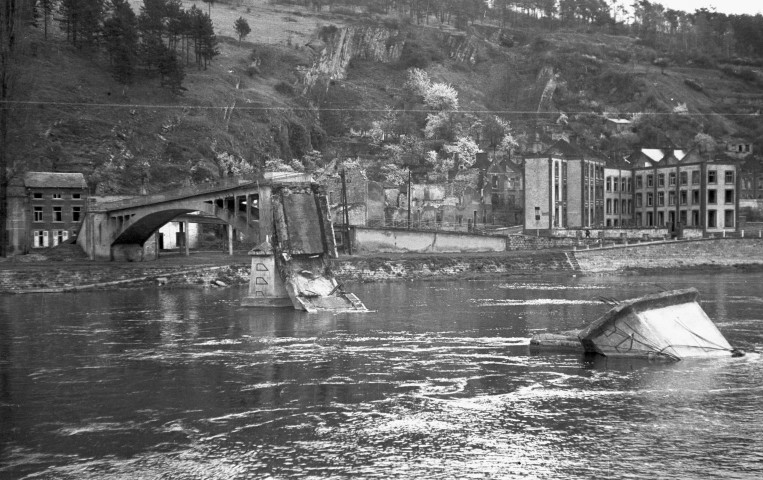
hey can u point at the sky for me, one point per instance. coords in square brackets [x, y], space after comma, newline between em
[738, 7]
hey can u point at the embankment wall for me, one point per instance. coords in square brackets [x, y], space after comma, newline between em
[372, 240]
[66, 277]
[447, 266]
[727, 252]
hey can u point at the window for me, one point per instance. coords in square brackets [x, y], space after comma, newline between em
[639, 181]
[649, 219]
[37, 195]
[711, 176]
[728, 220]
[695, 197]
[650, 180]
[649, 199]
[76, 213]
[683, 197]
[57, 196]
[58, 214]
[711, 218]
[729, 177]
[672, 179]
[712, 197]
[695, 177]
[671, 198]
[495, 181]
[660, 219]
[609, 206]
[76, 196]
[537, 213]
[40, 239]
[639, 200]
[661, 180]
[38, 214]
[729, 196]
[59, 237]
[609, 184]
[623, 185]
[615, 208]
[682, 217]
[684, 178]
[660, 199]
[615, 184]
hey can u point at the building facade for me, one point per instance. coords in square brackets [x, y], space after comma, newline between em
[45, 209]
[654, 189]
[690, 191]
[564, 188]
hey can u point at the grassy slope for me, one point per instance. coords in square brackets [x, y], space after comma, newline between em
[175, 134]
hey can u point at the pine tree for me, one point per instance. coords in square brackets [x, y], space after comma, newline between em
[242, 28]
[120, 31]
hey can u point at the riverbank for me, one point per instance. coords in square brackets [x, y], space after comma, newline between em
[216, 269]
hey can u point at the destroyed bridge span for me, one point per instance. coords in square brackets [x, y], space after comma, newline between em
[118, 230]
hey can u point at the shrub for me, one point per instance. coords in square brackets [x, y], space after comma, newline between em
[413, 56]
[285, 89]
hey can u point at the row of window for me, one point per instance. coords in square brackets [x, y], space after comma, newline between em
[45, 238]
[56, 196]
[683, 197]
[683, 177]
[58, 214]
[625, 184]
[648, 219]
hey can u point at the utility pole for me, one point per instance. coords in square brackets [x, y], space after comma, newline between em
[409, 199]
[346, 213]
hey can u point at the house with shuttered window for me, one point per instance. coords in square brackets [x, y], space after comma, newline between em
[45, 209]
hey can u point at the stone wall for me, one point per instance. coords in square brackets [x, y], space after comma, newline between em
[67, 277]
[447, 266]
[673, 254]
[371, 240]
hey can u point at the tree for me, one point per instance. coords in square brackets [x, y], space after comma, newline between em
[120, 31]
[15, 15]
[242, 28]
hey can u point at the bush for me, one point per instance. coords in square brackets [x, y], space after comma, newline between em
[285, 89]
[327, 32]
[693, 84]
[413, 56]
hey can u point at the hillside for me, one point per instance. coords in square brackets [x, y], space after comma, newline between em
[302, 79]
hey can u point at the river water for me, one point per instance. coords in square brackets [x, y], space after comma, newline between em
[438, 382]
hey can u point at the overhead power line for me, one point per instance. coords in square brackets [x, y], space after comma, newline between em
[33, 103]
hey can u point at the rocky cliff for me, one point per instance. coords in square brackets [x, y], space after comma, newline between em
[338, 46]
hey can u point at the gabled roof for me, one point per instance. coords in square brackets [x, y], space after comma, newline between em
[54, 180]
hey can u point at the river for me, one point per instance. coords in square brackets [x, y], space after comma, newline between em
[437, 382]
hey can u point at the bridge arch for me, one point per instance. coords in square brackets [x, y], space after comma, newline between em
[112, 229]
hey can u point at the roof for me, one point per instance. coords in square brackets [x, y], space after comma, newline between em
[54, 180]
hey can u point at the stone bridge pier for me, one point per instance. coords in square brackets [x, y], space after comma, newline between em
[120, 230]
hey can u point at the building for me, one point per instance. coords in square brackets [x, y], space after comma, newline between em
[45, 209]
[572, 187]
[618, 196]
[688, 188]
[564, 188]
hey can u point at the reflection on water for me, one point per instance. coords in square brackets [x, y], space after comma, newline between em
[438, 383]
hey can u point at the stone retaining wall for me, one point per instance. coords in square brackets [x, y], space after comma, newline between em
[450, 266]
[672, 254]
[44, 279]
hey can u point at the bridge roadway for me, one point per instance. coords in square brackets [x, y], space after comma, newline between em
[119, 230]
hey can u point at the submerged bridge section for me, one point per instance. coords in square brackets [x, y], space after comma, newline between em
[119, 230]
[292, 267]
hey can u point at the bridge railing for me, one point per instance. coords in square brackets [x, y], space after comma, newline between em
[174, 194]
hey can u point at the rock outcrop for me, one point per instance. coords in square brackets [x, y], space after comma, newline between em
[340, 45]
